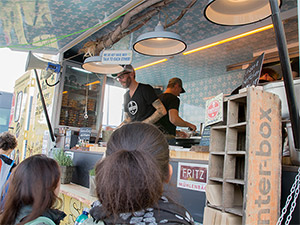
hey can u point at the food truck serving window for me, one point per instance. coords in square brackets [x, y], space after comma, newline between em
[81, 98]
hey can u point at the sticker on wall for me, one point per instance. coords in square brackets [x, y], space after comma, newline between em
[214, 110]
[192, 176]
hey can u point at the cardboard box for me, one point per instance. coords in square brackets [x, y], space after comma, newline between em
[216, 217]
[230, 219]
[209, 216]
[214, 194]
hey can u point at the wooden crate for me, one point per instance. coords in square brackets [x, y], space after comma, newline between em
[245, 158]
[189, 155]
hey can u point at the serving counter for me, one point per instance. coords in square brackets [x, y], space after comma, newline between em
[74, 199]
[188, 193]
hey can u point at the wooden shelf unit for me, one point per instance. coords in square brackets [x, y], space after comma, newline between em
[245, 159]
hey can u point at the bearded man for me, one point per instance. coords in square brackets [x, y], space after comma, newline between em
[140, 101]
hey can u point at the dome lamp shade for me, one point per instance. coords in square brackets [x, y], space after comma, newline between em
[94, 64]
[237, 12]
[159, 43]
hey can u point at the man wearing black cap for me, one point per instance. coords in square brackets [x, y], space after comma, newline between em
[167, 124]
[140, 101]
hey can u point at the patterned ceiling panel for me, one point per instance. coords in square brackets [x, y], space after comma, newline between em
[50, 25]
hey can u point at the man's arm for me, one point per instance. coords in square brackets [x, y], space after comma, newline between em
[159, 112]
[178, 121]
[126, 120]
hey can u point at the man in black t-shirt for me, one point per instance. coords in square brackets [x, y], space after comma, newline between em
[167, 124]
[140, 101]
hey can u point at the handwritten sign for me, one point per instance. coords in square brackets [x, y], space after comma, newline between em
[85, 133]
[121, 57]
[192, 176]
[205, 138]
[253, 71]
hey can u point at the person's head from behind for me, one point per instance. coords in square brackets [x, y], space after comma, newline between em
[136, 166]
[126, 76]
[35, 182]
[7, 142]
[267, 75]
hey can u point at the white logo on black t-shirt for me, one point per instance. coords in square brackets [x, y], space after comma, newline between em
[132, 107]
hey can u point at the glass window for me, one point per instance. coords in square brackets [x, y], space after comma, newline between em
[81, 98]
[113, 105]
[4, 119]
[18, 106]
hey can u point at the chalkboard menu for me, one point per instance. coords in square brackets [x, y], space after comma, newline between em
[85, 133]
[205, 138]
[252, 72]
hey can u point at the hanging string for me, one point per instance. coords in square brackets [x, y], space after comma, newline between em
[131, 41]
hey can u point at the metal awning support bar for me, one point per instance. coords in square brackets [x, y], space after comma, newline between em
[286, 71]
[44, 106]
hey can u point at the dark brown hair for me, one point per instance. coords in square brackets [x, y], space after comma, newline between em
[132, 174]
[7, 141]
[33, 183]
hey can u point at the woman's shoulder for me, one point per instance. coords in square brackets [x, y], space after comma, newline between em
[90, 221]
[173, 213]
[42, 220]
[165, 212]
[55, 215]
[50, 215]
[23, 212]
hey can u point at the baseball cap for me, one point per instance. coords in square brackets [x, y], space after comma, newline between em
[127, 68]
[176, 80]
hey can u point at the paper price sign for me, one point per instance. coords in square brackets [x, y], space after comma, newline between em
[121, 57]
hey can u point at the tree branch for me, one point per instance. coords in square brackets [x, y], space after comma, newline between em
[183, 12]
[92, 48]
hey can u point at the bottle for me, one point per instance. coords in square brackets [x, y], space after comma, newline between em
[79, 220]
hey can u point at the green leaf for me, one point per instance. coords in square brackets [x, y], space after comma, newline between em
[63, 159]
[92, 172]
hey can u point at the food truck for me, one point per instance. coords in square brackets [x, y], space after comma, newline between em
[78, 103]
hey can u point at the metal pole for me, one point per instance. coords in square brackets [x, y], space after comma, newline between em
[286, 71]
[44, 106]
[101, 108]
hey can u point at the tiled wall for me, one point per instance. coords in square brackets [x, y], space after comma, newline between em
[198, 90]
[204, 73]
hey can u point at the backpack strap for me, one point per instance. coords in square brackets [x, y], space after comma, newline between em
[5, 171]
[41, 220]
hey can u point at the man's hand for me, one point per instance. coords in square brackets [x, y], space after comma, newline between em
[178, 121]
[181, 134]
[192, 127]
[126, 120]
